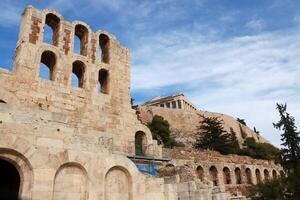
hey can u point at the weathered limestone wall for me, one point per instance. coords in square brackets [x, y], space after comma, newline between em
[232, 173]
[184, 123]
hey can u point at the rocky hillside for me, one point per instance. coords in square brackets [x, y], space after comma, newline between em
[184, 123]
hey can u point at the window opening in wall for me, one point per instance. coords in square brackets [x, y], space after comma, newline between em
[78, 69]
[200, 173]
[47, 65]
[162, 105]
[9, 181]
[104, 48]
[81, 40]
[51, 29]
[238, 176]
[274, 174]
[258, 176]
[248, 176]
[226, 175]
[214, 175]
[266, 174]
[140, 143]
[103, 81]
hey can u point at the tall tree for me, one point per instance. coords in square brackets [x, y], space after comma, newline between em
[290, 153]
[211, 135]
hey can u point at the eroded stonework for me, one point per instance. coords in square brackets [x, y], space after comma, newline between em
[72, 143]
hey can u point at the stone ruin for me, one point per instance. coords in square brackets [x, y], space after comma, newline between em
[64, 141]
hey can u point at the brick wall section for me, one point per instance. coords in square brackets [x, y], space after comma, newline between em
[35, 30]
[94, 46]
[67, 40]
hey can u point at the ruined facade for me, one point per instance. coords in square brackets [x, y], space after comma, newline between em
[72, 134]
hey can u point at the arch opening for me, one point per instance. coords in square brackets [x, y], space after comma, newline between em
[81, 40]
[266, 174]
[47, 65]
[70, 182]
[238, 176]
[103, 81]
[2, 101]
[200, 173]
[9, 181]
[140, 143]
[226, 175]
[78, 69]
[248, 176]
[118, 184]
[51, 29]
[104, 48]
[258, 176]
[214, 175]
[274, 174]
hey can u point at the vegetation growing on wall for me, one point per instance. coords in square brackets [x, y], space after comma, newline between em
[160, 129]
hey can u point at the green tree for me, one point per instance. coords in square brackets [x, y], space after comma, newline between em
[211, 135]
[259, 150]
[290, 153]
[275, 189]
[160, 129]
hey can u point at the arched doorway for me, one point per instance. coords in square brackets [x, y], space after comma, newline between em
[238, 176]
[9, 181]
[140, 143]
[226, 175]
[214, 175]
[200, 173]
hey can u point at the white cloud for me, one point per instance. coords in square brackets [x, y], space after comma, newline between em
[243, 76]
[255, 24]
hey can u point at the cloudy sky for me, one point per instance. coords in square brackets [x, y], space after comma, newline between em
[237, 57]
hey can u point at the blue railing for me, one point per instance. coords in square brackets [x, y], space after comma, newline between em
[147, 168]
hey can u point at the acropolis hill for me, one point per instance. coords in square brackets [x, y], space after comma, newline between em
[61, 141]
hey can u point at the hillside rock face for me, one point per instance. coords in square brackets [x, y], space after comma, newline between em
[184, 122]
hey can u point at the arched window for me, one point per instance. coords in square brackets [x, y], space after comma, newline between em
[51, 29]
[274, 174]
[214, 175]
[238, 176]
[258, 176]
[104, 48]
[2, 101]
[266, 174]
[248, 176]
[47, 65]
[9, 181]
[81, 39]
[226, 175]
[140, 143]
[200, 173]
[78, 70]
[103, 81]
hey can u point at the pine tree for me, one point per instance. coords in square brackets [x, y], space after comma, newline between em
[291, 152]
[211, 135]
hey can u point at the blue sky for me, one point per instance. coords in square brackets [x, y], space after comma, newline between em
[237, 57]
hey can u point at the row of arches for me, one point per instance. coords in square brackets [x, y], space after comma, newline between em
[71, 181]
[47, 71]
[239, 177]
[81, 37]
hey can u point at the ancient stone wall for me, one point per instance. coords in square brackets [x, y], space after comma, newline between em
[230, 172]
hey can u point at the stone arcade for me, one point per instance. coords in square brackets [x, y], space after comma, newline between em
[63, 142]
